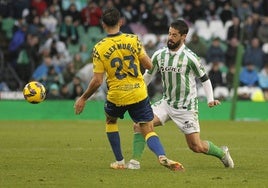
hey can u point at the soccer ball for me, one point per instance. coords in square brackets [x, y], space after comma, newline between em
[34, 92]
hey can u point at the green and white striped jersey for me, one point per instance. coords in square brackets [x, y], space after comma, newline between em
[179, 71]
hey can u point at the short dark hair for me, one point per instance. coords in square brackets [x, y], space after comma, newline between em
[111, 16]
[181, 26]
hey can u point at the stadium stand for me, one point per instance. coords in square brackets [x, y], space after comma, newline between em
[208, 22]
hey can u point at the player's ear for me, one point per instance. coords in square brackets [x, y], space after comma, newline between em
[121, 22]
[184, 36]
[103, 24]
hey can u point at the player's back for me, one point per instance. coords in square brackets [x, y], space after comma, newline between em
[118, 55]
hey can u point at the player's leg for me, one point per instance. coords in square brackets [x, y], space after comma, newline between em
[138, 139]
[188, 123]
[138, 144]
[142, 114]
[199, 146]
[156, 147]
[112, 112]
[207, 147]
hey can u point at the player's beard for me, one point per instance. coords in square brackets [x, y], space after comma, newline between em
[173, 45]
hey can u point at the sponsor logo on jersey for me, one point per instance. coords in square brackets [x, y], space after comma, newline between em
[169, 69]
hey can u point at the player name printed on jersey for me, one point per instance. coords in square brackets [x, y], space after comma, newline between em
[113, 48]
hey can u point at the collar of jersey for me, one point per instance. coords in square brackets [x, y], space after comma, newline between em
[116, 34]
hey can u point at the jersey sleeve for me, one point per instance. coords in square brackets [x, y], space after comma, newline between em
[140, 49]
[198, 67]
[98, 66]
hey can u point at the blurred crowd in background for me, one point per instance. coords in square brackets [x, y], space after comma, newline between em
[51, 41]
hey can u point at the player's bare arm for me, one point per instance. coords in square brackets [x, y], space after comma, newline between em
[146, 62]
[94, 84]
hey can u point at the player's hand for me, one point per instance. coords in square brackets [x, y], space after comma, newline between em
[79, 105]
[214, 103]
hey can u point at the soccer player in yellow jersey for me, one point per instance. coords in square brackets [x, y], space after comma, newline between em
[120, 56]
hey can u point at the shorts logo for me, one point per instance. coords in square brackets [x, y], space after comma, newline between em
[188, 125]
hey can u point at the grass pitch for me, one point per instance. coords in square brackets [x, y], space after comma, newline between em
[77, 154]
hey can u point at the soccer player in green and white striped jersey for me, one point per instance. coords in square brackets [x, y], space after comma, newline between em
[179, 68]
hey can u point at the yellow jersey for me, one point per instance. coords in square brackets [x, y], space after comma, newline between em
[117, 55]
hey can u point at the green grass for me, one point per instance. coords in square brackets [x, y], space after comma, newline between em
[77, 154]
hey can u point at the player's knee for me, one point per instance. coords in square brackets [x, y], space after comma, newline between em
[136, 128]
[111, 120]
[146, 128]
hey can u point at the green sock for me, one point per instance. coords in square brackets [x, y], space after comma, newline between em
[214, 150]
[138, 146]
